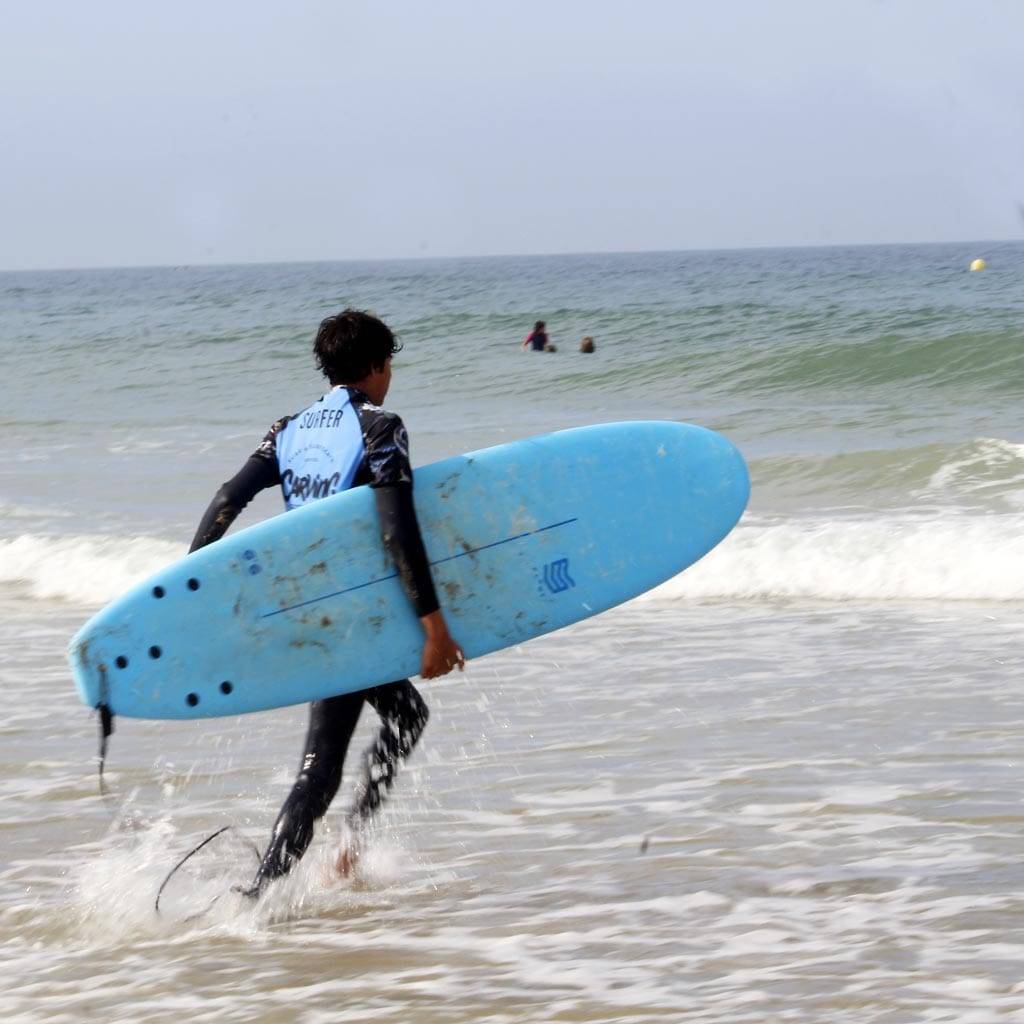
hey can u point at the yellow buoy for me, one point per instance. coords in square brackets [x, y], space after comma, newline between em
[978, 264]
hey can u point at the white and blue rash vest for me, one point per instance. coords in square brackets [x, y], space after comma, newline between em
[341, 441]
[319, 450]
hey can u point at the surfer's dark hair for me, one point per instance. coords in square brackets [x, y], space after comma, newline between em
[352, 344]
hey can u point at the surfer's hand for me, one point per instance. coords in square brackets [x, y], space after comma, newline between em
[440, 652]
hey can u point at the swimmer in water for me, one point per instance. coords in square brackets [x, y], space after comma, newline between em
[537, 339]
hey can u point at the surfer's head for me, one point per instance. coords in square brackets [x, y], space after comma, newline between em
[352, 346]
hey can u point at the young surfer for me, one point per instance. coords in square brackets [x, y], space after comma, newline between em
[343, 440]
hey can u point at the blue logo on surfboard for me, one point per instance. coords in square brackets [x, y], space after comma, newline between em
[556, 576]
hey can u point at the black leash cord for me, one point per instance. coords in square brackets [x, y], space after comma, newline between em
[106, 728]
[106, 723]
[191, 853]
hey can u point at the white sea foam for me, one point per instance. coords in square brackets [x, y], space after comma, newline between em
[909, 557]
[987, 467]
[33, 512]
[90, 569]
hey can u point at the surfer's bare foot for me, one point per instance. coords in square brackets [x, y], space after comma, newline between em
[348, 858]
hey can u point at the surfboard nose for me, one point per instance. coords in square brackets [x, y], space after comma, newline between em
[735, 476]
[723, 480]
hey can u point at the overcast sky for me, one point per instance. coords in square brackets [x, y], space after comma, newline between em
[222, 131]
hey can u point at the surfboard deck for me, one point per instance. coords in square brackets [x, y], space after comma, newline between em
[523, 539]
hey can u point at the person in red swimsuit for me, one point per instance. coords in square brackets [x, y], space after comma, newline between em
[537, 339]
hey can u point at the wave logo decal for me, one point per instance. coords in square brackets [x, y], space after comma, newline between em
[556, 576]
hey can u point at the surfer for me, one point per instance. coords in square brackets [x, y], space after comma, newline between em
[343, 440]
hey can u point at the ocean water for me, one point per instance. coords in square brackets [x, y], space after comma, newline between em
[784, 786]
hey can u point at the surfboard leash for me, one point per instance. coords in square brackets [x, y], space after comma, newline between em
[106, 723]
[191, 853]
[106, 728]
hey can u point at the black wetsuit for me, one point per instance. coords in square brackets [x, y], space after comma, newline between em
[374, 451]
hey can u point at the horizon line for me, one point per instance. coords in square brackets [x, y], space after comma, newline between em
[495, 256]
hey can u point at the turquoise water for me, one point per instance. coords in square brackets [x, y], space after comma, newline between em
[784, 786]
[796, 353]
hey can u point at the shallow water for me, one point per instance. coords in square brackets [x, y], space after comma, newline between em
[778, 820]
[786, 786]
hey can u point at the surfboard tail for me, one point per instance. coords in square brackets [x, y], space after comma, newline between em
[87, 675]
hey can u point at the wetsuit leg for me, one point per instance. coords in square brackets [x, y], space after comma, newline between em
[331, 724]
[404, 715]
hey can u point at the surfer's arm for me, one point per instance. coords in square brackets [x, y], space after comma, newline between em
[390, 473]
[400, 532]
[256, 475]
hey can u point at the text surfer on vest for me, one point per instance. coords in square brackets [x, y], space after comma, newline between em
[344, 440]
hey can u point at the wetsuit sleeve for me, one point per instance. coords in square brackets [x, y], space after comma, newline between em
[390, 472]
[387, 451]
[400, 532]
[259, 472]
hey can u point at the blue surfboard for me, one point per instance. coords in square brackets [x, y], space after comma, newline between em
[523, 539]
